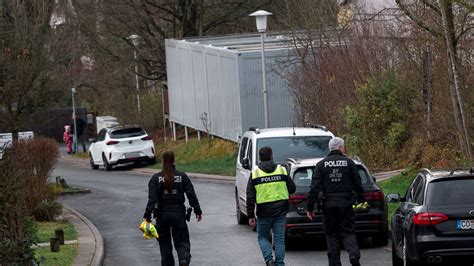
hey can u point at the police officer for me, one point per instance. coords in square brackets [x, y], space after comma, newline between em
[166, 191]
[269, 187]
[335, 178]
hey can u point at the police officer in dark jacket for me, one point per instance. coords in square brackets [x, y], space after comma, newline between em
[166, 200]
[335, 179]
[269, 187]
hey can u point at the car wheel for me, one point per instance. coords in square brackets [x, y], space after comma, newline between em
[152, 161]
[406, 260]
[396, 260]
[93, 165]
[241, 218]
[380, 239]
[107, 166]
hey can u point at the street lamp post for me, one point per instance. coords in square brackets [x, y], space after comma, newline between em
[73, 92]
[261, 19]
[134, 38]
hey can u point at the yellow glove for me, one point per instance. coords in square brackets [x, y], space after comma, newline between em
[364, 205]
[149, 230]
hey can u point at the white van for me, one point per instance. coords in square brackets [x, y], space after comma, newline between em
[297, 143]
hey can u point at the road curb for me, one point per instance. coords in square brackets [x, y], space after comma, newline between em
[80, 191]
[386, 175]
[93, 257]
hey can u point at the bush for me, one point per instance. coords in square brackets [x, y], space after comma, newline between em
[37, 160]
[17, 232]
[24, 192]
[47, 211]
[378, 124]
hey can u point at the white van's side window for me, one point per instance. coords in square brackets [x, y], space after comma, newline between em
[243, 146]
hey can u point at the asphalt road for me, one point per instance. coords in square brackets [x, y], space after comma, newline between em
[116, 207]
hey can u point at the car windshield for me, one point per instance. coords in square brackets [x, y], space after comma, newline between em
[296, 147]
[302, 177]
[127, 133]
[450, 192]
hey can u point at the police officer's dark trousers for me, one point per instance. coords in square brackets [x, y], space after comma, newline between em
[339, 225]
[173, 224]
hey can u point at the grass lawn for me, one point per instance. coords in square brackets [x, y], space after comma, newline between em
[397, 184]
[216, 156]
[46, 230]
[59, 189]
[65, 256]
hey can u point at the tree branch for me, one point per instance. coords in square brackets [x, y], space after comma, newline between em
[419, 22]
[432, 6]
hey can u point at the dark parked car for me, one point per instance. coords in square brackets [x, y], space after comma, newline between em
[435, 220]
[370, 222]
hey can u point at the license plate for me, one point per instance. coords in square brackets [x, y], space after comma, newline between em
[465, 224]
[132, 155]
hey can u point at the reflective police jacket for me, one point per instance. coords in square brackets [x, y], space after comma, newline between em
[269, 187]
[337, 178]
[174, 200]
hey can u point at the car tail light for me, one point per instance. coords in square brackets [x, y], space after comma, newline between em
[290, 225]
[429, 218]
[147, 137]
[112, 142]
[296, 199]
[374, 196]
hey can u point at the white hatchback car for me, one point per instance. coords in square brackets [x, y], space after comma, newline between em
[121, 144]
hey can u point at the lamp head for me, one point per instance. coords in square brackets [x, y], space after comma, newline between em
[261, 19]
[134, 38]
[73, 90]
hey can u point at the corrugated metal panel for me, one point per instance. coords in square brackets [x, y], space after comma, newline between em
[230, 106]
[187, 86]
[174, 82]
[204, 80]
[201, 95]
[280, 103]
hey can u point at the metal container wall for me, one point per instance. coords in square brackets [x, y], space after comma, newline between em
[203, 83]
[225, 84]
[280, 103]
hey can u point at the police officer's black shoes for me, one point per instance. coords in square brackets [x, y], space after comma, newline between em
[354, 261]
[270, 263]
[183, 263]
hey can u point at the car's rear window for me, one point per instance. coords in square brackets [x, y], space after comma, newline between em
[127, 133]
[450, 192]
[302, 177]
[299, 147]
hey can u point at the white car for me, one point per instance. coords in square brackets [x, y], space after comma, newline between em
[121, 144]
[297, 143]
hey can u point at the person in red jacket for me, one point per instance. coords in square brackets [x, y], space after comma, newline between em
[67, 137]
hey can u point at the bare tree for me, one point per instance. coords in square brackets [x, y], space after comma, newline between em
[30, 55]
[452, 21]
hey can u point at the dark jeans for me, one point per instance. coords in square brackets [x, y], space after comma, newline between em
[277, 225]
[339, 224]
[173, 224]
[80, 138]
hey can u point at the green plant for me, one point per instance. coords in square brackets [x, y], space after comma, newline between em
[47, 210]
[378, 124]
[397, 184]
